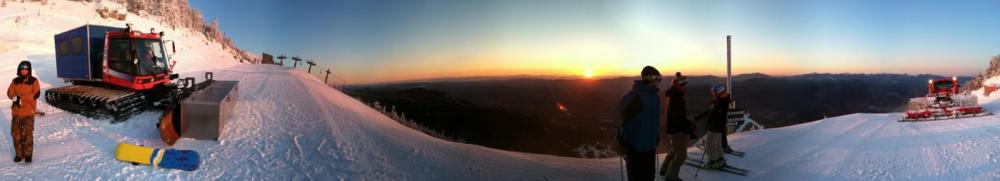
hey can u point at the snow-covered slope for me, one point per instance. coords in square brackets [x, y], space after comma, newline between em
[871, 147]
[287, 125]
[28, 29]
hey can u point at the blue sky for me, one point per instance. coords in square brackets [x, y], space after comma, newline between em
[389, 40]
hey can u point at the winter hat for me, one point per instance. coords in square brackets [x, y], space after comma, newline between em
[650, 74]
[24, 65]
[718, 88]
[679, 79]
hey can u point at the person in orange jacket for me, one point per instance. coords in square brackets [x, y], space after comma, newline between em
[24, 91]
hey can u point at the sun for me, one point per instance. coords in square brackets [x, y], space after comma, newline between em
[588, 73]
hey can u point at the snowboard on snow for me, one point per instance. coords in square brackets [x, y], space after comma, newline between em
[156, 157]
[727, 169]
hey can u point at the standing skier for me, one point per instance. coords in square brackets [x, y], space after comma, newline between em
[24, 91]
[717, 117]
[679, 128]
[641, 112]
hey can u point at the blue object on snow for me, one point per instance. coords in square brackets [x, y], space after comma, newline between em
[178, 159]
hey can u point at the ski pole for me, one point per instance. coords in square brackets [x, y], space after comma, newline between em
[703, 153]
[621, 170]
[621, 158]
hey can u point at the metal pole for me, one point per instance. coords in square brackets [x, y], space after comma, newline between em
[729, 70]
[729, 65]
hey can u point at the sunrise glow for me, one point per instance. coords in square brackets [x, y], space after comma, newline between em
[618, 38]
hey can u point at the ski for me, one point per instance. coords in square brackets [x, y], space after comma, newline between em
[699, 162]
[731, 152]
[736, 153]
[726, 169]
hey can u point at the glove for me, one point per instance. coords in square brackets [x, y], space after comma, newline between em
[17, 101]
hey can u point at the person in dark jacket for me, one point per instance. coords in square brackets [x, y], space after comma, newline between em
[679, 128]
[717, 117]
[24, 90]
[641, 112]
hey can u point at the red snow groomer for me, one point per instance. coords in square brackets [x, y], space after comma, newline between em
[115, 72]
[943, 101]
[119, 72]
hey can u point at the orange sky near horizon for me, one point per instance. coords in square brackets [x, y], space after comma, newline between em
[611, 56]
[611, 66]
[386, 41]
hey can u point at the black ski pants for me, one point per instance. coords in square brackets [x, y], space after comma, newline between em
[641, 165]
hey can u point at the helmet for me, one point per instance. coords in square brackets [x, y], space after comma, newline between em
[679, 79]
[650, 74]
[718, 88]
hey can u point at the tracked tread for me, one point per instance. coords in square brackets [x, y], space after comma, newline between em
[97, 102]
[936, 118]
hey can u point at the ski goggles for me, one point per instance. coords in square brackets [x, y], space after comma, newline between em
[719, 88]
[681, 80]
[23, 67]
[655, 78]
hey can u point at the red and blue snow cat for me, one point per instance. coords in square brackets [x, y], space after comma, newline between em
[115, 72]
[943, 101]
[118, 72]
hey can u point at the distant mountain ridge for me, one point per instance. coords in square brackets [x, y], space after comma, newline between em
[524, 109]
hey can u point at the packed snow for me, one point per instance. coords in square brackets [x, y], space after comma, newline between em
[288, 125]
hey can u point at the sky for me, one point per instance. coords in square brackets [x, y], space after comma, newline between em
[369, 41]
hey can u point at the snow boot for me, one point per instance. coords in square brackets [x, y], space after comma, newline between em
[716, 165]
[17, 159]
[27, 159]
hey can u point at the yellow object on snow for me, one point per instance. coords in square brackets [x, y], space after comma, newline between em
[138, 154]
